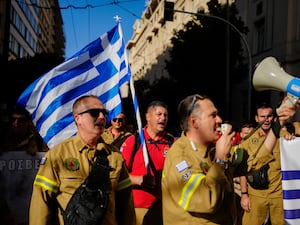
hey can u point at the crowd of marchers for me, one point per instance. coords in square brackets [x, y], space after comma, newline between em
[206, 175]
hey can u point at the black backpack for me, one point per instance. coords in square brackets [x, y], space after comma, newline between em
[89, 203]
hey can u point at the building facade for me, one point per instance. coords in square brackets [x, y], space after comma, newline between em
[30, 27]
[273, 31]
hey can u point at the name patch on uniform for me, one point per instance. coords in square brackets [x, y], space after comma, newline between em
[43, 160]
[71, 164]
[182, 166]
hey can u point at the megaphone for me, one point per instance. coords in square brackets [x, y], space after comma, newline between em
[269, 75]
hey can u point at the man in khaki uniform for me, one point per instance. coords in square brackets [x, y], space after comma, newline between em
[197, 183]
[67, 165]
[116, 134]
[259, 203]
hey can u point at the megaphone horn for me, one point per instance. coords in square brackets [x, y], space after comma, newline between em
[268, 75]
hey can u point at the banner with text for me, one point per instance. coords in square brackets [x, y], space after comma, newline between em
[17, 173]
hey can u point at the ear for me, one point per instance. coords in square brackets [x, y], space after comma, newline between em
[76, 118]
[192, 122]
[147, 116]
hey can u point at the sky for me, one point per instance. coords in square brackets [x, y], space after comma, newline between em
[87, 20]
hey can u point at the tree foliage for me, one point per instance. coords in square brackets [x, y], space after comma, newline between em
[198, 62]
[198, 57]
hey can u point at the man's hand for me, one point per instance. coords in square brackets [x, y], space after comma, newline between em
[223, 145]
[287, 110]
[245, 203]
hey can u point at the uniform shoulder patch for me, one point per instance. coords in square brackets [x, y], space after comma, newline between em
[205, 167]
[254, 140]
[71, 164]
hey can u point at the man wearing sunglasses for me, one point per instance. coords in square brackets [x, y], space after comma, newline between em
[116, 133]
[66, 166]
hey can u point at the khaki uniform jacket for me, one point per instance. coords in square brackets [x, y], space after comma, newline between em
[61, 172]
[257, 158]
[116, 141]
[194, 190]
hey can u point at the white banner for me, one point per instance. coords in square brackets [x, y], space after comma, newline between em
[17, 173]
[290, 166]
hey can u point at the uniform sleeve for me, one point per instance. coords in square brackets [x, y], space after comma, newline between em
[192, 189]
[44, 191]
[125, 212]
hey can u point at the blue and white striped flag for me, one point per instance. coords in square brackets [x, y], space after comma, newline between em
[290, 167]
[100, 69]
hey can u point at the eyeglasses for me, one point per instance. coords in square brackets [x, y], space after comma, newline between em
[118, 120]
[95, 112]
[194, 100]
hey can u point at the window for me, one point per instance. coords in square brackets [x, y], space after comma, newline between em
[260, 35]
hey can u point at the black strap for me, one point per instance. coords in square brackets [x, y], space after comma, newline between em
[125, 135]
[90, 200]
[137, 143]
[99, 175]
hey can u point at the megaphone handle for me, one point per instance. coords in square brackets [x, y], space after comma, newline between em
[291, 100]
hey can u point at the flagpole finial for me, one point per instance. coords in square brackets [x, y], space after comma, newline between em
[117, 18]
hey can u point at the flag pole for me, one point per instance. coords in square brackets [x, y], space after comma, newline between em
[137, 112]
[139, 124]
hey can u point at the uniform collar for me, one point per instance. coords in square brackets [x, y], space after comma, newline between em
[201, 149]
[261, 133]
[160, 137]
[81, 145]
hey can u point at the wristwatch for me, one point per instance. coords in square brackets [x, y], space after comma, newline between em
[221, 162]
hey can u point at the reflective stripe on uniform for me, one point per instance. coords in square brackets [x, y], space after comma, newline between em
[124, 184]
[189, 189]
[46, 183]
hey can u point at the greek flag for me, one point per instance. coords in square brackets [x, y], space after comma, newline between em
[290, 154]
[100, 69]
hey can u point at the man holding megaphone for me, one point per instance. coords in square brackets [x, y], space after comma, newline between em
[262, 198]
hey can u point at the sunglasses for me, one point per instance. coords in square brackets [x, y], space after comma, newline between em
[194, 100]
[118, 120]
[95, 112]
[19, 120]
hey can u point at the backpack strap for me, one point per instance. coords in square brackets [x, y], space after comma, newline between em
[90, 200]
[137, 143]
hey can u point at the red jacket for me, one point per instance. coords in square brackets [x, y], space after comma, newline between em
[157, 151]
